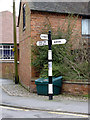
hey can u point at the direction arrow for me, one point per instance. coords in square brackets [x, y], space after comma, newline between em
[54, 42]
[58, 41]
[42, 43]
[44, 36]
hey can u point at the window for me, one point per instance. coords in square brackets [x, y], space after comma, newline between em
[85, 26]
[6, 52]
[24, 16]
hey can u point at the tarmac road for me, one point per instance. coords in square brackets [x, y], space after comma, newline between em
[15, 107]
[12, 112]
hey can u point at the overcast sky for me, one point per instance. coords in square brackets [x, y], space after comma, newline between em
[8, 5]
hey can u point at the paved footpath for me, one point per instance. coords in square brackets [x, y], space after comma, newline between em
[15, 95]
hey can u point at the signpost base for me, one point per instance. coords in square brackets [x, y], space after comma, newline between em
[50, 97]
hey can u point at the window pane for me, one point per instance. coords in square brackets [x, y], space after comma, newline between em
[4, 46]
[6, 52]
[85, 26]
[8, 46]
[12, 54]
[0, 54]
[89, 26]
[12, 46]
[24, 16]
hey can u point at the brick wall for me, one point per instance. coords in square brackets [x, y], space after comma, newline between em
[36, 24]
[75, 88]
[39, 25]
[24, 52]
[7, 70]
[6, 23]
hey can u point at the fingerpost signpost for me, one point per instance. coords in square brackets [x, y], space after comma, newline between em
[49, 42]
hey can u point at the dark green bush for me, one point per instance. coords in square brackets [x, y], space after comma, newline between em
[69, 63]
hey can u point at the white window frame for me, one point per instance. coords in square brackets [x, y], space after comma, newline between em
[2, 48]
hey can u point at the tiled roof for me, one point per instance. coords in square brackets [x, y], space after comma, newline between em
[78, 8]
[61, 7]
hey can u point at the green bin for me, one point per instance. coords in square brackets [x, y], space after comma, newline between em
[42, 85]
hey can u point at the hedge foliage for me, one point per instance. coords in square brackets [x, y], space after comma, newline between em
[70, 63]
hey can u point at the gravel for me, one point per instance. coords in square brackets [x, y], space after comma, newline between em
[18, 90]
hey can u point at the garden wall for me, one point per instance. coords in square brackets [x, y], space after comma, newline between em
[76, 88]
[7, 70]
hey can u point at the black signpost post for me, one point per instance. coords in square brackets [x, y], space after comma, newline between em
[50, 85]
[49, 42]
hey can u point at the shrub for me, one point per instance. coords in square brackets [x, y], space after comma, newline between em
[70, 63]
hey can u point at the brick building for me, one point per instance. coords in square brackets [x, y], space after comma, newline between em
[7, 44]
[33, 16]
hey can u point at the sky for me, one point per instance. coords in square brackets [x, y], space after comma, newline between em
[8, 5]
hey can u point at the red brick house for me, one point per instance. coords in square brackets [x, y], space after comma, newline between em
[7, 44]
[32, 20]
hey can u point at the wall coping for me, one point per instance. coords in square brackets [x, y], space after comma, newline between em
[81, 83]
[67, 82]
